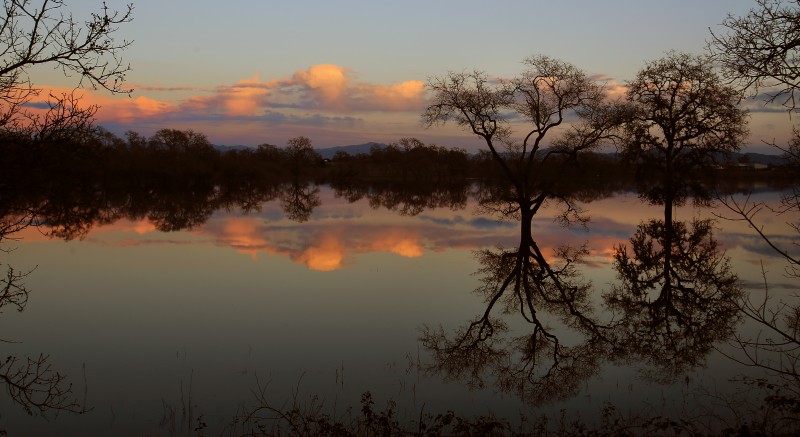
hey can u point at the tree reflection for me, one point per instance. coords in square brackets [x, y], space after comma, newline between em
[676, 292]
[776, 345]
[675, 296]
[409, 198]
[32, 383]
[538, 365]
[299, 200]
[563, 342]
[70, 211]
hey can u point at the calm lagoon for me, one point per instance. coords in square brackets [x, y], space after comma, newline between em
[156, 329]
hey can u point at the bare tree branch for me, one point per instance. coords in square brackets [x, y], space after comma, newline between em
[761, 51]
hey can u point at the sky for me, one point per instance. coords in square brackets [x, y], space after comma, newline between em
[350, 72]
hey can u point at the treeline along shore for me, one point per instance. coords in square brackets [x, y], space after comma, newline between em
[177, 179]
[183, 159]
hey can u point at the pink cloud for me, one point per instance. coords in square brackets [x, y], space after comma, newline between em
[245, 98]
[330, 91]
[332, 87]
[327, 83]
[403, 242]
[322, 87]
[403, 96]
[122, 109]
[139, 88]
[326, 254]
[614, 89]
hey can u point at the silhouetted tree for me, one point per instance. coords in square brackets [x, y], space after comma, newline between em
[682, 115]
[300, 156]
[179, 140]
[761, 51]
[12, 291]
[33, 384]
[535, 365]
[44, 32]
[63, 121]
[411, 197]
[420, 161]
[547, 92]
[676, 293]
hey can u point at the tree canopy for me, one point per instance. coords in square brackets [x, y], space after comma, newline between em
[681, 114]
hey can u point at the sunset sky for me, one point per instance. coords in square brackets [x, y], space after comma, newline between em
[350, 72]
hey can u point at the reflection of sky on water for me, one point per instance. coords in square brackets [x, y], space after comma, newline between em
[344, 293]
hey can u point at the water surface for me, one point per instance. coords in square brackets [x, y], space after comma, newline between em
[155, 325]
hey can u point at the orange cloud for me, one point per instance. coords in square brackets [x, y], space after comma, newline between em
[331, 87]
[399, 242]
[331, 251]
[328, 254]
[147, 107]
[327, 81]
[326, 250]
[324, 88]
[403, 96]
[246, 97]
[243, 234]
[123, 109]
[615, 90]
[30, 233]
[140, 227]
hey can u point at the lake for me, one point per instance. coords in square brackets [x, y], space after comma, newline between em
[161, 320]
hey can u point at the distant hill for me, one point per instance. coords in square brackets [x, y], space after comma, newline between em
[751, 158]
[761, 158]
[352, 150]
[224, 149]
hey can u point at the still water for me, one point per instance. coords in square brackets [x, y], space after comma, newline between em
[159, 328]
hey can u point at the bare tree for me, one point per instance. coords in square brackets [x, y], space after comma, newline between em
[561, 112]
[776, 347]
[682, 115]
[540, 101]
[546, 94]
[747, 210]
[300, 157]
[44, 32]
[179, 140]
[761, 51]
